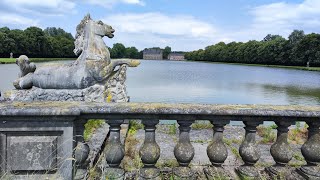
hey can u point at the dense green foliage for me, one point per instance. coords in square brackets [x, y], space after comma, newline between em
[297, 50]
[35, 42]
[118, 50]
[51, 42]
[166, 52]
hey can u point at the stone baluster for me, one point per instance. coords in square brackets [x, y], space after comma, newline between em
[281, 151]
[249, 151]
[114, 151]
[184, 151]
[81, 151]
[311, 152]
[150, 151]
[217, 151]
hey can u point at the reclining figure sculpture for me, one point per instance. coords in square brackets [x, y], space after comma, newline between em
[92, 67]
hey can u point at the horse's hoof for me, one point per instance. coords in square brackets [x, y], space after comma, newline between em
[134, 63]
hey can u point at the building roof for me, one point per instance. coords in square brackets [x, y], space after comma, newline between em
[153, 51]
[176, 54]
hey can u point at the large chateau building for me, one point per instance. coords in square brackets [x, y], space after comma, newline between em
[153, 54]
[176, 56]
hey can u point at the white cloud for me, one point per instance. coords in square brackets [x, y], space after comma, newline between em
[283, 17]
[13, 19]
[157, 29]
[39, 7]
[158, 23]
[183, 32]
[111, 3]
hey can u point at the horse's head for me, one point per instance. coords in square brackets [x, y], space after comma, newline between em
[87, 24]
[102, 29]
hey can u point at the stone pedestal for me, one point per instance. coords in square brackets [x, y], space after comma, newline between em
[37, 148]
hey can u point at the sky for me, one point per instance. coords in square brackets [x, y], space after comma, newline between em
[184, 25]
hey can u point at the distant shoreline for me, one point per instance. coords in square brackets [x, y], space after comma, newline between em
[13, 60]
[265, 65]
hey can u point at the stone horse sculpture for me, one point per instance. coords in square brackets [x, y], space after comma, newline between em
[92, 67]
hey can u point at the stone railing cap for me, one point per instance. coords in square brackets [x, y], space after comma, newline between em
[77, 108]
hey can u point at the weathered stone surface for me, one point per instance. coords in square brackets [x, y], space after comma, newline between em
[311, 152]
[32, 153]
[162, 110]
[25, 65]
[33, 146]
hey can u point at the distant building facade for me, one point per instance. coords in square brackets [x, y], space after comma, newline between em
[176, 56]
[153, 54]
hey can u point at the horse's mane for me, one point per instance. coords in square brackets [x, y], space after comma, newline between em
[80, 27]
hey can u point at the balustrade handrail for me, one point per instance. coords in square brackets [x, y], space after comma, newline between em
[163, 110]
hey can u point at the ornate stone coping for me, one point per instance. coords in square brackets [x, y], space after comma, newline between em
[161, 110]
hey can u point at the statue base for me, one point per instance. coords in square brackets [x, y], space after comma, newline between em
[95, 93]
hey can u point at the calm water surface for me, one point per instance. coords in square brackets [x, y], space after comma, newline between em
[197, 82]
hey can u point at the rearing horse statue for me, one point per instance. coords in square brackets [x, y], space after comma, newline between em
[93, 66]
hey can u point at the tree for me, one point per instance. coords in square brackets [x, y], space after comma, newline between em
[296, 36]
[35, 39]
[5, 30]
[54, 32]
[132, 52]
[270, 37]
[307, 50]
[7, 44]
[166, 52]
[118, 51]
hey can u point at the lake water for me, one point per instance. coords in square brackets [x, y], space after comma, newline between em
[199, 82]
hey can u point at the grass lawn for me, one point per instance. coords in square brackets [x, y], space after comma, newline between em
[288, 67]
[13, 60]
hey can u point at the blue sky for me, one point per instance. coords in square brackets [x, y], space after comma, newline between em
[182, 24]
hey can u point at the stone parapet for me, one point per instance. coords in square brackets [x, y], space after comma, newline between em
[45, 138]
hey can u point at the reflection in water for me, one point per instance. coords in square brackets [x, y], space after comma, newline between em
[295, 95]
[195, 82]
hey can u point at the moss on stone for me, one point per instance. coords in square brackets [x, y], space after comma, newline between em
[90, 127]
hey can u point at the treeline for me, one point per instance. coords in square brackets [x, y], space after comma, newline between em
[51, 42]
[298, 50]
[118, 50]
[35, 42]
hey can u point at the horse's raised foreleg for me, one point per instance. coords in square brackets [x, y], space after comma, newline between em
[108, 70]
[101, 72]
[130, 63]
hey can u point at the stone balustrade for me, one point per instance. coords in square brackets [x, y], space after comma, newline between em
[44, 139]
